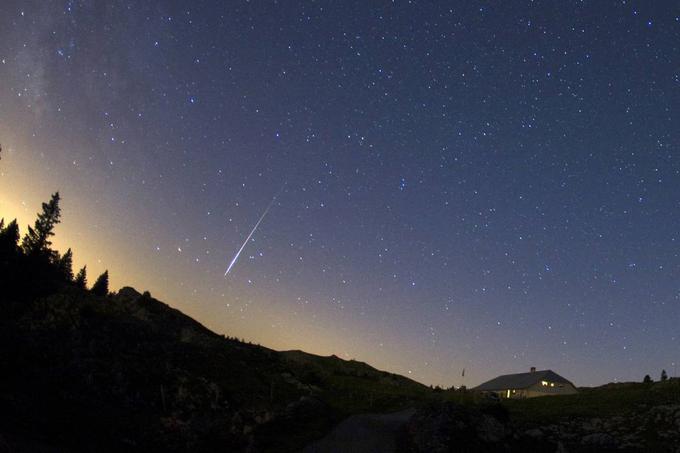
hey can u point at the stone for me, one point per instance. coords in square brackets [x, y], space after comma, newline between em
[598, 440]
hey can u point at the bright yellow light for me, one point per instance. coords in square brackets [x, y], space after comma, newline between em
[544, 383]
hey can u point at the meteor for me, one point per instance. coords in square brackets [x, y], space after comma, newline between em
[271, 203]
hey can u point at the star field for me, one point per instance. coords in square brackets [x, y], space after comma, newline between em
[478, 185]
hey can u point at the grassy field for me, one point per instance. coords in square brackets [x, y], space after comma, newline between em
[605, 401]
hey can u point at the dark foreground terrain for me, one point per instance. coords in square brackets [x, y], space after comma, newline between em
[614, 418]
[126, 372]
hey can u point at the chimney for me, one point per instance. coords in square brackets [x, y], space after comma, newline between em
[533, 369]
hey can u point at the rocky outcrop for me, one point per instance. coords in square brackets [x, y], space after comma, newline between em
[653, 429]
[449, 427]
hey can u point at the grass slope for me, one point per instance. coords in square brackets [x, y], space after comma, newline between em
[606, 401]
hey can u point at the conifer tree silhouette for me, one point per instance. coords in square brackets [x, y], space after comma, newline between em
[101, 286]
[81, 278]
[9, 238]
[37, 239]
[65, 265]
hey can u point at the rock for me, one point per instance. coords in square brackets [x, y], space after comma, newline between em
[445, 426]
[236, 424]
[561, 448]
[594, 424]
[534, 433]
[306, 407]
[599, 440]
[128, 293]
[490, 430]
[263, 417]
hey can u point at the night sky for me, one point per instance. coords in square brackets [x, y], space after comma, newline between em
[478, 185]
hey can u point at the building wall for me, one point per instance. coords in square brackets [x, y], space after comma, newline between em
[537, 390]
[511, 393]
[558, 389]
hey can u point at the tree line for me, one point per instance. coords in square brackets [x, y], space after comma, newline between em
[648, 380]
[30, 267]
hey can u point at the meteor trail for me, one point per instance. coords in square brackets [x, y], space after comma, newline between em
[271, 203]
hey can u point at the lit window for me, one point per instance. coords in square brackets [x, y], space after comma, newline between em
[544, 383]
[552, 384]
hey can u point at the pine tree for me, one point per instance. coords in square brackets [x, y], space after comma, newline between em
[9, 238]
[664, 376]
[65, 265]
[101, 286]
[37, 240]
[647, 379]
[81, 278]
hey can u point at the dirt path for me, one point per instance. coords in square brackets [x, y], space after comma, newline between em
[364, 433]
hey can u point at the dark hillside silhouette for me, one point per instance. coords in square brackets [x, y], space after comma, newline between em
[130, 373]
